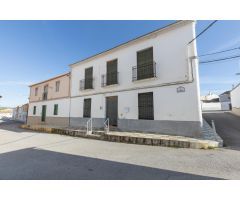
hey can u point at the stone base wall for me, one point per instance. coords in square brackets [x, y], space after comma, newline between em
[82, 122]
[182, 128]
[52, 121]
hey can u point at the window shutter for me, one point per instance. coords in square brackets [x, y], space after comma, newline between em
[87, 108]
[145, 64]
[89, 78]
[55, 112]
[145, 106]
[112, 72]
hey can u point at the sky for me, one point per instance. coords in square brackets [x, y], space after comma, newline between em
[32, 51]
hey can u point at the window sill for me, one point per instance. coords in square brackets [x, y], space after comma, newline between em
[145, 79]
[112, 85]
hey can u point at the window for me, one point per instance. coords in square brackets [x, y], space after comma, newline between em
[112, 72]
[34, 110]
[45, 92]
[88, 78]
[55, 111]
[87, 108]
[57, 86]
[145, 64]
[145, 106]
[36, 91]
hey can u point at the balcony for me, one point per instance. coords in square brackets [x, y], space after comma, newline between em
[86, 84]
[45, 96]
[109, 79]
[145, 71]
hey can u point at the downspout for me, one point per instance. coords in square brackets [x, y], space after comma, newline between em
[69, 93]
[193, 62]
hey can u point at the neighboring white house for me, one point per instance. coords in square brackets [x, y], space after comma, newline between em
[235, 99]
[210, 102]
[225, 100]
[20, 113]
[148, 84]
[214, 102]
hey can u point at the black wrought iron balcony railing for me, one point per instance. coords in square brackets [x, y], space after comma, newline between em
[86, 84]
[109, 79]
[144, 71]
[44, 95]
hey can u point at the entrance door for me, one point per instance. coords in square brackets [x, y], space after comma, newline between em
[112, 110]
[44, 109]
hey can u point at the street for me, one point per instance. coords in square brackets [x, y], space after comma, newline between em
[227, 126]
[30, 155]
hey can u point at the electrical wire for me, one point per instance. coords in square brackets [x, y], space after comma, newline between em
[220, 59]
[203, 31]
[220, 52]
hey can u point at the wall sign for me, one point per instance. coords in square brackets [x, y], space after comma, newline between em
[180, 89]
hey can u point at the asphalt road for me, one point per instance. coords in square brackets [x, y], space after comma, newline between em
[227, 126]
[31, 155]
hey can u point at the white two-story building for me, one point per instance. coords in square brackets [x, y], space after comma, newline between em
[148, 84]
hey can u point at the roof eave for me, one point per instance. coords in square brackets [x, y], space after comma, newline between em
[167, 27]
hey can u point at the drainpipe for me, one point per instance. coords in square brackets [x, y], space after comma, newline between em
[70, 99]
[193, 62]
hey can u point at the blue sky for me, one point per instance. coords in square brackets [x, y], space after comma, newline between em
[31, 51]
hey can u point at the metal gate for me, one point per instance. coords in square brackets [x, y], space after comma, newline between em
[112, 110]
[44, 110]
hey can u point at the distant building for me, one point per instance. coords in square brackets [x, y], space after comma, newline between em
[20, 113]
[6, 113]
[225, 100]
[210, 102]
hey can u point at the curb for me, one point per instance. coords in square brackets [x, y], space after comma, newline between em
[133, 138]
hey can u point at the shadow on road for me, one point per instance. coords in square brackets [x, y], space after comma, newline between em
[11, 125]
[38, 164]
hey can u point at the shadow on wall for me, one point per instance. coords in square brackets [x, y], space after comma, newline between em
[40, 164]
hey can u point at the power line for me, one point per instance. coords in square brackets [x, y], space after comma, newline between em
[220, 52]
[220, 59]
[203, 31]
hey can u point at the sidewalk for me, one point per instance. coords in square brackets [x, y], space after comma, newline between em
[210, 139]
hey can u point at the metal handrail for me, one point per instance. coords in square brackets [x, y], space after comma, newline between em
[213, 126]
[106, 126]
[84, 84]
[148, 70]
[44, 95]
[110, 78]
[89, 126]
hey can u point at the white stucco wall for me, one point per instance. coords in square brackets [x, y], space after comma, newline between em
[63, 108]
[235, 97]
[171, 56]
[211, 106]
